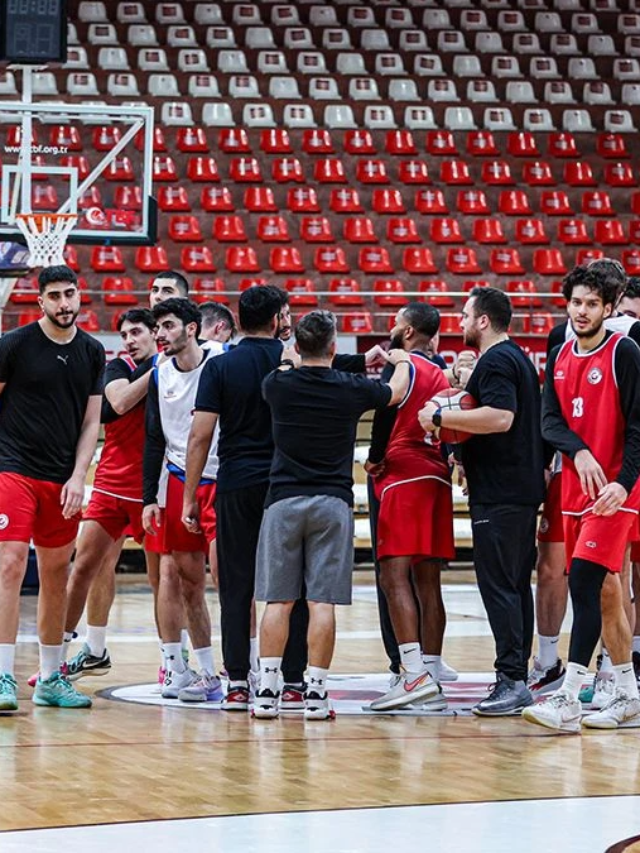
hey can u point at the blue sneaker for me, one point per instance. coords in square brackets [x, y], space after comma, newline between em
[58, 692]
[207, 688]
[8, 692]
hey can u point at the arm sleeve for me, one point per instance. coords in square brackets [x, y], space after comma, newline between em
[116, 369]
[383, 423]
[99, 363]
[627, 365]
[349, 363]
[556, 337]
[142, 369]
[555, 430]
[154, 446]
[209, 394]
[497, 385]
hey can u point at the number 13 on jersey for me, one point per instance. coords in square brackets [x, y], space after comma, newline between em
[578, 407]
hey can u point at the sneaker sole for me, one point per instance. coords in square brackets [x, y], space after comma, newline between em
[190, 698]
[44, 703]
[439, 703]
[547, 688]
[480, 712]
[8, 705]
[413, 698]
[611, 726]
[292, 706]
[236, 706]
[264, 713]
[448, 677]
[319, 715]
[567, 728]
[101, 670]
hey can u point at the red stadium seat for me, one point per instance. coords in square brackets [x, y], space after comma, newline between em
[275, 140]
[285, 170]
[197, 259]
[345, 291]
[514, 203]
[260, 200]
[316, 229]
[67, 136]
[70, 256]
[530, 231]
[610, 232]
[330, 259]
[245, 170]
[480, 143]
[151, 259]
[185, 229]
[191, 140]
[436, 293]
[445, 231]
[573, 232]
[359, 229]
[303, 200]
[400, 142]
[329, 170]
[229, 229]
[540, 323]
[104, 138]
[634, 231]
[597, 204]
[523, 294]
[88, 321]
[402, 230]
[497, 172]
[562, 145]
[241, 259]
[441, 143]
[92, 197]
[246, 283]
[413, 172]
[462, 261]
[118, 291]
[31, 315]
[107, 259]
[538, 174]
[301, 292]
[611, 146]
[430, 202]
[356, 324]
[555, 203]
[389, 292]
[317, 142]
[120, 169]
[559, 301]
[522, 144]
[631, 261]
[77, 161]
[455, 173]
[374, 260]
[470, 285]
[372, 172]
[208, 290]
[450, 324]
[347, 200]
[579, 174]
[620, 175]
[234, 140]
[159, 142]
[585, 256]
[44, 198]
[549, 262]
[164, 168]
[172, 199]
[216, 200]
[418, 260]
[387, 201]
[358, 142]
[505, 261]
[202, 169]
[488, 231]
[25, 292]
[273, 229]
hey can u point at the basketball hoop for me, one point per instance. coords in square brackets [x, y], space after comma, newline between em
[46, 235]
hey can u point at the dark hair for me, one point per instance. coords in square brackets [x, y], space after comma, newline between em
[181, 282]
[424, 318]
[315, 333]
[258, 306]
[137, 315]
[284, 295]
[183, 309]
[632, 290]
[495, 304]
[214, 312]
[606, 282]
[609, 267]
[54, 275]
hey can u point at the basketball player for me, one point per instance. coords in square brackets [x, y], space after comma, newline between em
[170, 403]
[591, 413]
[415, 521]
[504, 465]
[50, 381]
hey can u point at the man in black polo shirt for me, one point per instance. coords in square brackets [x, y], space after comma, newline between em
[504, 467]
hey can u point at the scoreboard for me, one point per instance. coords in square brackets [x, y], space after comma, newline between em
[33, 32]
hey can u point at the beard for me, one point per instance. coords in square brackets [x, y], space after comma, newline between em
[471, 339]
[588, 332]
[62, 320]
[396, 341]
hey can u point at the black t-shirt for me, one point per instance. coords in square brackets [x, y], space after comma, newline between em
[507, 467]
[315, 413]
[119, 368]
[43, 405]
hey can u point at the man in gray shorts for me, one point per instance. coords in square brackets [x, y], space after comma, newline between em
[307, 528]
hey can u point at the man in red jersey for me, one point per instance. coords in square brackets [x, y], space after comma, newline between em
[591, 413]
[415, 522]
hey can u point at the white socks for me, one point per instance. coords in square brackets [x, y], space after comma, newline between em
[626, 679]
[269, 673]
[173, 657]
[411, 657]
[606, 665]
[7, 658]
[254, 654]
[204, 657]
[50, 657]
[317, 679]
[96, 639]
[574, 679]
[184, 639]
[432, 665]
[636, 643]
[547, 651]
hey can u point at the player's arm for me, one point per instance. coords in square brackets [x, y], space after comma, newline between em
[72, 492]
[399, 381]
[383, 423]
[123, 389]
[152, 459]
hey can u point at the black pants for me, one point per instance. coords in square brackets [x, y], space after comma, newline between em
[239, 515]
[386, 626]
[504, 553]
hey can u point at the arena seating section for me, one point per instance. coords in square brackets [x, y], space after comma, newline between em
[361, 154]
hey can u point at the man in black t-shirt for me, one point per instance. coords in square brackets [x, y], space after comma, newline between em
[50, 381]
[504, 466]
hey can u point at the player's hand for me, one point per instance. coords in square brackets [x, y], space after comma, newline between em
[466, 360]
[374, 469]
[396, 356]
[592, 478]
[291, 354]
[71, 496]
[375, 357]
[425, 416]
[610, 499]
[191, 516]
[151, 519]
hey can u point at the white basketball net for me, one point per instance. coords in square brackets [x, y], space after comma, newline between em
[46, 235]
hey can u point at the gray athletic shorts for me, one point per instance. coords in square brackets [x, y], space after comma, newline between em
[306, 538]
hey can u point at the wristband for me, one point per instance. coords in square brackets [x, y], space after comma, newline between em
[287, 362]
[436, 418]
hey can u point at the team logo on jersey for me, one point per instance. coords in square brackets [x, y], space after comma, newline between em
[544, 525]
[559, 374]
[63, 358]
[594, 376]
[4, 521]
[591, 544]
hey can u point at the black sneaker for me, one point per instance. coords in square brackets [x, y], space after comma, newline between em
[506, 697]
[84, 664]
[545, 679]
[636, 665]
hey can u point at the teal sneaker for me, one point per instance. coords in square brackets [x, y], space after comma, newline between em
[8, 692]
[84, 663]
[58, 692]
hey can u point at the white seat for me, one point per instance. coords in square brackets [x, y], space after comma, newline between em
[220, 37]
[123, 85]
[284, 88]
[412, 40]
[141, 35]
[632, 46]
[467, 65]
[76, 59]
[272, 62]
[629, 24]
[243, 86]
[285, 16]
[336, 38]
[626, 69]
[537, 119]
[44, 83]
[8, 83]
[130, 13]
[325, 16]
[494, 4]
[544, 68]
[601, 46]
[442, 91]
[577, 121]
[604, 5]
[232, 62]
[473, 19]
[505, 67]
[403, 89]
[193, 60]
[338, 115]
[258, 115]
[597, 92]
[389, 64]
[298, 115]
[451, 41]
[72, 34]
[313, 62]
[379, 117]
[90, 13]
[152, 59]
[558, 92]
[428, 65]
[102, 34]
[436, 19]
[582, 68]
[374, 39]
[323, 89]
[208, 13]
[481, 91]
[363, 89]
[113, 59]
[245, 14]
[511, 21]
[169, 13]
[204, 86]
[564, 44]
[489, 43]
[181, 36]
[217, 115]
[419, 118]
[548, 22]
[397, 18]
[350, 63]
[520, 92]
[524, 43]
[163, 86]
[82, 83]
[259, 38]
[618, 121]
[459, 118]
[361, 16]
[584, 22]
[298, 38]
[567, 5]
[630, 93]
[532, 4]
[498, 118]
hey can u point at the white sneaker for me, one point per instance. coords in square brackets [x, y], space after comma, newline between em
[266, 704]
[622, 712]
[317, 706]
[559, 712]
[447, 673]
[174, 682]
[395, 679]
[603, 691]
[206, 688]
[435, 703]
[254, 683]
[411, 689]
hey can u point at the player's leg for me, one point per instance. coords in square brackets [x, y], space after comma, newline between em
[426, 576]
[13, 566]
[171, 619]
[552, 592]
[295, 657]
[635, 575]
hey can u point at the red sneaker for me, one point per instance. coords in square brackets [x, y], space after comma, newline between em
[237, 699]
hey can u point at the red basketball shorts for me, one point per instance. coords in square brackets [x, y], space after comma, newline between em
[551, 527]
[118, 516]
[31, 510]
[155, 544]
[176, 535]
[635, 542]
[416, 520]
[599, 539]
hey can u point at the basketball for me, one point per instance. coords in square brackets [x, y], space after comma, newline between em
[454, 400]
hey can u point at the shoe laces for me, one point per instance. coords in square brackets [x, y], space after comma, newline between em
[559, 700]
[618, 700]
[7, 680]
